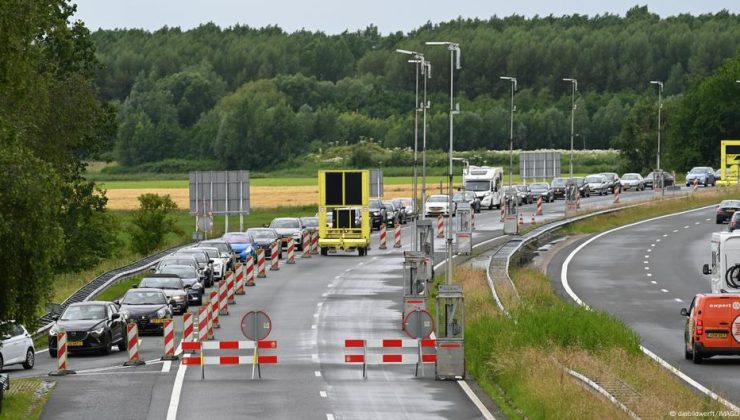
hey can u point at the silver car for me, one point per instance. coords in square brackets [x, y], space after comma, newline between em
[632, 181]
[598, 184]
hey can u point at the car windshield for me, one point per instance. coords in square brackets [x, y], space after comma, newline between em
[221, 246]
[407, 202]
[162, 282]
[698, 170]
[389, 205]
[730, 203]
[609, 177]
[580, 180]
[262, 234]
[212, 253]
[83, 312]
[236, 238]
[198, 254]
[539, 186]
[437, 199]
[521, 188]
[558, 182]
[144, 298]
[286, 224]
[375, 204]
[478, 185]
[458, 197]
[311, 222]
[594, 179]
[181, 271]
[176, 261]
[630, 176]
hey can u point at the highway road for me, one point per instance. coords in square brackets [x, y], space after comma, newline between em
[314, 305]
[644, 274]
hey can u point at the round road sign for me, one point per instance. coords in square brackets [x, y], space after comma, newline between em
[256, 325]
[418, 324]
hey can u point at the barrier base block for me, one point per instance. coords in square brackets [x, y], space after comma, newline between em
[62, 372]
[134, 363]
[250, 284]
[172, 358]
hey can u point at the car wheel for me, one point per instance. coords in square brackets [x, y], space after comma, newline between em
[122, 343]
[695, 355]
[106, 350]
[1, 363]
[53, 353]
[30, 359]
[718, 221]
[324, 250]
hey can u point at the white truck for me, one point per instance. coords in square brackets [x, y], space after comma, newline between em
[725, 266]
[486, 183]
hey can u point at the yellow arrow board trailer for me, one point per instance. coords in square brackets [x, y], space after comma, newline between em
[729, 161]
[344, 218]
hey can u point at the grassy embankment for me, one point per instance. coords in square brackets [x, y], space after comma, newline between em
[26, 399]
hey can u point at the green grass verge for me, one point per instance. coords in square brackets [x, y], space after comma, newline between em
[116, 290]
[25, 403]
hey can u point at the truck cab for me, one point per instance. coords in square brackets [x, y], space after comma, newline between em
[724, 277]
[485, 182]
[344, 195]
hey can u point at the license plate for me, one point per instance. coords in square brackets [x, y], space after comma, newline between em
[716, 335]
[157, 321]
[731, 210]
[74, 343]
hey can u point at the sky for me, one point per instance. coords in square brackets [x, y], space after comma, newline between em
[336, 16]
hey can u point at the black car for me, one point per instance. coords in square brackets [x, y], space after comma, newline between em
[91, 327]
[651, 178]
[612, 181]
[227, 254]
[148, 307]
[467, 197]
[193, 287]
[172, 286]
[398, 204]
[542, 189]
[264, 238]
[558, 187]
[583, 189]
[734, 222]
[726, 209]
[525, 193]
[378, 214]
[393, 214]
[204, 262]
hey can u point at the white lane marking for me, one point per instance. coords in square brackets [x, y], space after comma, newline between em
[675, 230]
[657, 240]
[649, 250]
[571, 293]
[649, 275]
[317, 373]
[646, 262]
[664, 290]
[686, 227]
[313, 327]
[320, 304]
[697, 223]
[708, 219]
[678, 300]
[647, 256]
[166, 366]
[652, 244]
[176, 390]
[316, 315]
[647, 268]
[665, 235]
[315, 358]
[653, 282]
[478, 403]
[330, 417]
[323, 394]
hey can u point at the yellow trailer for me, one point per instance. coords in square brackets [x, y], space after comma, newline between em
[729, 161]
[344, 195]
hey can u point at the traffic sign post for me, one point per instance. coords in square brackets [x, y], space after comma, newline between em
[464, 232]
[256, 326]
[415, 276]
[419, 325]
[450, 332]
[425, 245]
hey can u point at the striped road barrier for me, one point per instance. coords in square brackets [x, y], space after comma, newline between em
[255, 358]
[390, 351]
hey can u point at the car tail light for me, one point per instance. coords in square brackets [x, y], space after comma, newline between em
[699, 327]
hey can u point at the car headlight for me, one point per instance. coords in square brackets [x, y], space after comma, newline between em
[161, 313]
[179, 298]
[97, 332]
[376, 213]
[197, 286]
[297, 235]
[53, 330]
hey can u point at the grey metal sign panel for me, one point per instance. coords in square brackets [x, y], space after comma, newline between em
[219, 192]
[376, 183]
[256, 325]
[539, 165]
[419, 324]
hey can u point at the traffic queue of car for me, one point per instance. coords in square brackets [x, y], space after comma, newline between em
[177, 282]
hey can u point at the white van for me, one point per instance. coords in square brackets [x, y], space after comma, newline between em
[725, 266]
[486, 183]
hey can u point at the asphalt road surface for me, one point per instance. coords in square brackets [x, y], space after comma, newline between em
[644, 275]
[315, 305]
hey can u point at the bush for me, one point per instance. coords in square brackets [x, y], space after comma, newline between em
[152, 221]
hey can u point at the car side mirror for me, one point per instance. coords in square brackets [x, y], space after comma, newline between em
[684, 312]
[115, 316]
[55, 317]
[705, 270]
[210, 261]
[172, 302]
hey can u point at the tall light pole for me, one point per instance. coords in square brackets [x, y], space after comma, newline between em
[453, 48]
[511, 135]
[574, 84]
[660, 106]
[418, 61]
[426, 71]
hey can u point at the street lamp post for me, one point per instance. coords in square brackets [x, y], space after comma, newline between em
[660, 107]
[511, 137]
[419, 62]
[426, 71]
[574, 84]
[454, 64]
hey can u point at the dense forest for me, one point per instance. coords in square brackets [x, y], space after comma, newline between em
[260, 98]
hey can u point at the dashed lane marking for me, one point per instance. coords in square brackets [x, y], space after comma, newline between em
[664, 290]
[678, 300]
[653, 282]
[317, 373]
[649, 275]
[323, 394]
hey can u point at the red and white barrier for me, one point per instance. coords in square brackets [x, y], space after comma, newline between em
[306, 244]
[223, 296]
[694, 187]
[202, 324]
[390, 351]
[617, 192]
[274, 256]
[539, 206]
[188, 327]
[261, 273]
[314, 242]
[472, 219]
[255, 358]
[440, 226]
[239, 279]
[397, 236]
[532, 222]
[291, 252]
[578, 201]
[169, 340]
[249, 271]
[132, 338]
[231, 289]
[521, 220]
[382, 236]
[61, 356]
[214, 309]
[503, 213]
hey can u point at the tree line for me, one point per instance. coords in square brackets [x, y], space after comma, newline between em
[255, 98]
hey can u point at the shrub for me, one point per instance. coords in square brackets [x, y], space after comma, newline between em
[152, 221]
